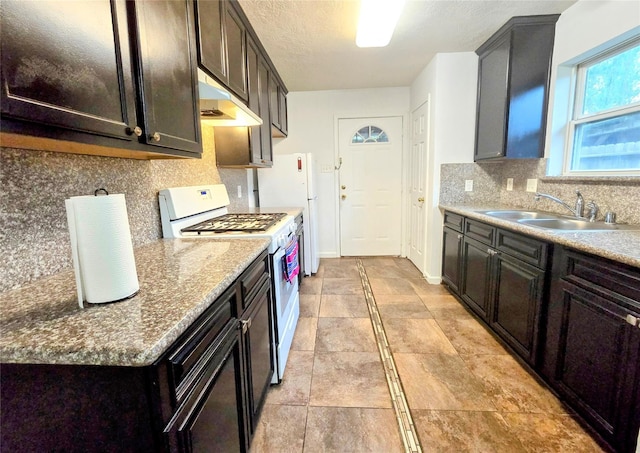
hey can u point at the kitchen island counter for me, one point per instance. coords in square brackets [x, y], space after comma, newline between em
[41, 323]
[620, 245]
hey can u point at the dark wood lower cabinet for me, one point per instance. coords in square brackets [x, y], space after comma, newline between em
[475, 288]
[451, 258]
[517, 303]
[257, 343]
[212, 419]
[574, 318]
[204, 394]
[592, 355]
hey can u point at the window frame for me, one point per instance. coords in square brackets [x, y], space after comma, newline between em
[577, 118]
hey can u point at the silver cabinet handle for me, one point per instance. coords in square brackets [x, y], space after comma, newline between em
[246, 324]
[633, 320]
[459, 237]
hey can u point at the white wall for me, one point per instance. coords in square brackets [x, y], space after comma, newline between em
[449, 82]
[582, 31]
[312, 129]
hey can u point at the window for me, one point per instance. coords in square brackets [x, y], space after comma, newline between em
[605, 128]
[370, 134]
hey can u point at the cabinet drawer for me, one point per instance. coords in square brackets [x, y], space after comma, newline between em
[605, 277]
[190, 350]
[479, 231]
[453, 221]
[524, 248]
[252, 278]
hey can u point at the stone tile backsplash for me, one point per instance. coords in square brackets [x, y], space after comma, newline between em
[616, 194]
[34, 184]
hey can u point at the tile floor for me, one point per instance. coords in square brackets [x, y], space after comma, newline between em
[464, 391]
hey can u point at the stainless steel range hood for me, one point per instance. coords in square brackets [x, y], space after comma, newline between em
[218, 107]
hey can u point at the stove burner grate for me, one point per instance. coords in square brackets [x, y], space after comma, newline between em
[237, 222]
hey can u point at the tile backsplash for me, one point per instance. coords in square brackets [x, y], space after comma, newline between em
[616, 194]
[34, 184]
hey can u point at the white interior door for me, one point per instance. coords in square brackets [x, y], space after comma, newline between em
[417, 180]
[370, 189]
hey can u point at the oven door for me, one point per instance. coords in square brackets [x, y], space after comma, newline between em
[286, 313]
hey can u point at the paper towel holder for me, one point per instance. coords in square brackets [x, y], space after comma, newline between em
[123, 283]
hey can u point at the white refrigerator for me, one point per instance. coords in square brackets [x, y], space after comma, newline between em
[290, 182]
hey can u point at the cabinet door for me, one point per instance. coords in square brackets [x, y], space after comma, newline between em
[68, 64]
[253, 85]
[596, 359]
[282, 108]
[257, 343]
[212, 47]
[168, 77]
[213, 419]
[273, 101]
[492, 101]
[475, 287]
[236, 35]
[529, 71]
[519, 290]
[451, 258]
[264, 84]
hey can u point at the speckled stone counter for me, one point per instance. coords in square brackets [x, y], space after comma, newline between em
[622, 245]
[179, 279]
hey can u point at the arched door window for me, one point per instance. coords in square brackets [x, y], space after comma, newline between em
[370, 134]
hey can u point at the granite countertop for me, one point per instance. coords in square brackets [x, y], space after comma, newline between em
[620, 245]
[179, 278]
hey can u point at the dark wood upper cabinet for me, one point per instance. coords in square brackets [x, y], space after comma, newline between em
[167, 74]
[68, 64]
[273, 102]
[253, 88]
[222, 44]
[265, 111]
[118, 77]
[513, 87]
[282, 109]
[212, 46]
[236, 52]
[278, 104]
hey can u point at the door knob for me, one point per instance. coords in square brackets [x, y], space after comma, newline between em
[155, 137]
[343, 196]
[343, 187]
[421, 200]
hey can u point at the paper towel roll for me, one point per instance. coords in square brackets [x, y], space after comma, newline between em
[103, 260]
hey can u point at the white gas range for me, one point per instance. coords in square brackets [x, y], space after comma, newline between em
[201, 212]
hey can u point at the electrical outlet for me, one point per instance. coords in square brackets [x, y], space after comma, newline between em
[509, 183]
[468, 185]
[532, 185]
[239, 191]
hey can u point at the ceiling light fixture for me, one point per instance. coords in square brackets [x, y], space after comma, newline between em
[378, 18]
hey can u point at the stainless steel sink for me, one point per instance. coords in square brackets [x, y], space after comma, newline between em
[571, 225]
[550, 221]
[519, 214]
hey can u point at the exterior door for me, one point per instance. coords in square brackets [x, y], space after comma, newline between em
[417, 192]
[370, 152]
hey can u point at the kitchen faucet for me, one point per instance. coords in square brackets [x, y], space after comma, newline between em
[577, 211]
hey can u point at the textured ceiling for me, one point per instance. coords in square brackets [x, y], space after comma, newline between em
[312, 42]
